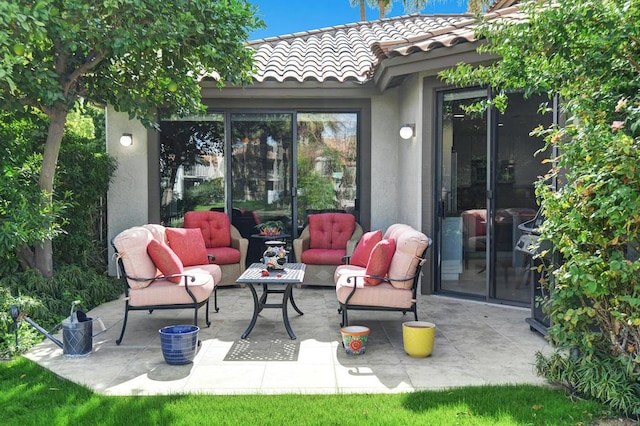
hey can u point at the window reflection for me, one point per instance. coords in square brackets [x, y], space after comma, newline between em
[192, 167]
[262, 167]
[327, 147]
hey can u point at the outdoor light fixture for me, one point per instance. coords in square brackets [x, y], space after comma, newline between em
[408, 131]
[126, 139]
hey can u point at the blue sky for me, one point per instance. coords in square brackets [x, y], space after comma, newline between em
[290, 16]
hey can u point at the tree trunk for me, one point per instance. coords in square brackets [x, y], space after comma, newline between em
[382, 5]
[57, 119]
[363, 13]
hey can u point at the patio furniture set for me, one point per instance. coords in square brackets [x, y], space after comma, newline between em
[178, 268]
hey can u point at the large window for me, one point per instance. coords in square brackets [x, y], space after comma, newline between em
[192, 166]
[266, 176]
[326, 165]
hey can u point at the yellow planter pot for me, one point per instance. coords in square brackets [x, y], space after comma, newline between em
[418, 337]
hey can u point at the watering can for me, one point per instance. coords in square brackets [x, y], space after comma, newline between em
[77, 331]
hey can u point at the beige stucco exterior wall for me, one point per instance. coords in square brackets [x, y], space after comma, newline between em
[127, 197]
[396, 163]
[385, 174]
[410, 152]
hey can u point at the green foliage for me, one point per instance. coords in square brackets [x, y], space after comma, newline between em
[136, 55]
[607, 378]
[85, 171]
[27, 335]
[139, 56]
[205, 193]
[316, 192]
[47, 301]
[586, 53]
[26, 216]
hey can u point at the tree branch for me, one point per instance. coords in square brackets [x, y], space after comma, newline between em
[93, 59]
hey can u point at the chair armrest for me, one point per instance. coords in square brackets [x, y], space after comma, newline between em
[355, 281]
[187, 278]
[241, 244]
[301, 243]
[355, 238]
[236, 238]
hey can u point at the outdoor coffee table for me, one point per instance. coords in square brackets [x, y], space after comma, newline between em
[293, 273]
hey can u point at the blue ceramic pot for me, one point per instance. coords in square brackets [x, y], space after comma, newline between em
[179, 343]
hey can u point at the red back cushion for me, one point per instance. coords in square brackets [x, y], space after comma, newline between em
[361, 254]
[215, 227]
[330, 230]
[188, 244]
[165, 260]
[379, 260]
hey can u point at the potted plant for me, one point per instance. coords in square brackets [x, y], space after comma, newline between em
[270, 227]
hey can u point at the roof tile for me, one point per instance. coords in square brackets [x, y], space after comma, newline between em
[352, 52]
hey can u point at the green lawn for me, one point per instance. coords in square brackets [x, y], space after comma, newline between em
[31, 395]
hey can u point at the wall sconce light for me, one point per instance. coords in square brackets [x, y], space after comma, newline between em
[408, 131]
[126, 139]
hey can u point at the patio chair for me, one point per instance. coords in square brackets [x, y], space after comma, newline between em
[226, 247]
[154, 277]
[324, 243]
[388, 281]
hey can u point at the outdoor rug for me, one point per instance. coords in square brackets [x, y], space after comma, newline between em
[273, 350]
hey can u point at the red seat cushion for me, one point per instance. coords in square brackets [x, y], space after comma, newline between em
[165, 260]
[215, 227]
[330, 230]
[361, 254]
[188, 244]
[224, 255]
[323, 256]
[379, 261]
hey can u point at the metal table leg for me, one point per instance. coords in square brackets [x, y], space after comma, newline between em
[293, 303]
[256, 310]
[260, 302]
[285, 317]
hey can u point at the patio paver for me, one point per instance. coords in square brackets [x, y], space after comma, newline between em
[476, 344]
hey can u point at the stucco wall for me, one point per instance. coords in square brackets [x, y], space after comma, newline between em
[410, 153]
[127, 199]
[385, 175]
[395, 162]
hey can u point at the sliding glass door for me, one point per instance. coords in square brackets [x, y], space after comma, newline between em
[282, 166]
[487, 169]
[463, 218]
[261, 174]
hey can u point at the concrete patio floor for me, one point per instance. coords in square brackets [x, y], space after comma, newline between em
[476, 344]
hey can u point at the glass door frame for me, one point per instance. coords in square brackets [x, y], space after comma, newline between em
[491, 150]
[438, 198]
[510, 169]
[292, 167]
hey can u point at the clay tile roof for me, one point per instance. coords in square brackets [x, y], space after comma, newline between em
[353, 52]
[461, 32]
[343, 53]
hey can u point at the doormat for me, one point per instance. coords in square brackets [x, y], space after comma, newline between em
[273, 350]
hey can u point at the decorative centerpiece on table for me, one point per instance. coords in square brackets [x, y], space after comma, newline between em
[275, 256]
[270, 227]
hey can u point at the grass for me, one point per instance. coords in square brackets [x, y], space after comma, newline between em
[31, 395]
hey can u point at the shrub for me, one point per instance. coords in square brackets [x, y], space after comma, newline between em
[587, 56]
[48, 301]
